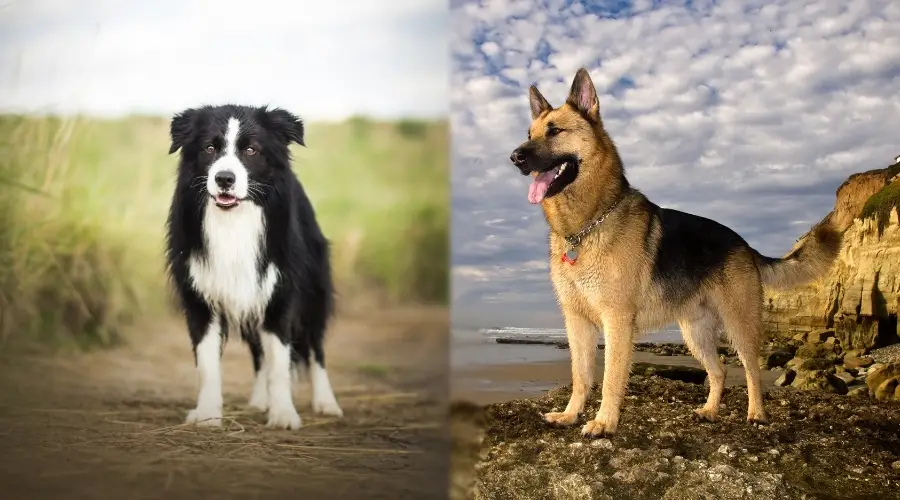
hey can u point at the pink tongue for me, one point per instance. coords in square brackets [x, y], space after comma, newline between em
[539, 186]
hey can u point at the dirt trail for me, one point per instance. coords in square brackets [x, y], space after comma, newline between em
[110, 424]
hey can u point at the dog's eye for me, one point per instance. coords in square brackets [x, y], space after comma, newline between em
[529, 135]
[553, 131]
[250, 151]
[210, 149]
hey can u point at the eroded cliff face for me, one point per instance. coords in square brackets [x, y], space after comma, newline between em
[860, 297]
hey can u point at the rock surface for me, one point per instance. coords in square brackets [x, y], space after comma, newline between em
[775, 359]
[859, 299]
[673, 372]
[883, 380]
[786, 378]
[817, 446]
[819, 380]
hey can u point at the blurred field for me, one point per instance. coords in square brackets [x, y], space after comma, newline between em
[83, 204]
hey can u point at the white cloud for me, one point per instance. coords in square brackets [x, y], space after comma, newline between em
[321, 59]
[748, 112]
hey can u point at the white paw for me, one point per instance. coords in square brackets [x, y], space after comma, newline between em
[259, 400]
[284, 418]
[327, 407]
[205, 417]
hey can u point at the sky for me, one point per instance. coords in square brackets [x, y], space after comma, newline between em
[321, 60]
[751, 113]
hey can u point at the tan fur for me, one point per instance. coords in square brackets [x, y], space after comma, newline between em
[811, 257]
[611, 285]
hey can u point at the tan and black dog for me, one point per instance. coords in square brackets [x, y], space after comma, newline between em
[620, 262]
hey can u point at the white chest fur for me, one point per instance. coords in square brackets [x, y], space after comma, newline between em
[228, 276]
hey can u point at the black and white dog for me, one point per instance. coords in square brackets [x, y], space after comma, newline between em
[246, 255]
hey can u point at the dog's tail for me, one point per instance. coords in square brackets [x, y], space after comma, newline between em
[811, 257]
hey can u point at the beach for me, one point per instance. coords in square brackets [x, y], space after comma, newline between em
[486, 372]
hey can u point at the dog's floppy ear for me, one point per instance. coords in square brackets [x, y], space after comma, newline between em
[583, 96]
[286, 125]
[182, 128]
[538, 103]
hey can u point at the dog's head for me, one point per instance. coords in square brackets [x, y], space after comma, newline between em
[560, 139]
[234, 152]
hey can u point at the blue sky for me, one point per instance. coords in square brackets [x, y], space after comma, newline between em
[322, 60]
[750, 113]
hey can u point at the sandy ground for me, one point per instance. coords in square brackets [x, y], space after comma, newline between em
[109, 424]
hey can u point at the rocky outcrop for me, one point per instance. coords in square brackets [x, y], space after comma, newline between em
[859, 299]
[884, 382]
[853, 194]
[816, 445]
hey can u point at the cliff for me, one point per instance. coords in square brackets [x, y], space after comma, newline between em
[860, 297]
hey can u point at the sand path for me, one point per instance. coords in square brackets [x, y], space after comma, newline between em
[108, 424]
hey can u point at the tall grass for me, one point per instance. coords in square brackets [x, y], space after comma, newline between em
[83, 204]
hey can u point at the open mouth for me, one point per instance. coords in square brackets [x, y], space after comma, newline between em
[226, 201]
[551, 182]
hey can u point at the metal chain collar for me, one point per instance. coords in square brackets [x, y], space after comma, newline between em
[575, 239]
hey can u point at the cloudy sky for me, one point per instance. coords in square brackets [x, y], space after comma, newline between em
[323, 60]
[750, 113]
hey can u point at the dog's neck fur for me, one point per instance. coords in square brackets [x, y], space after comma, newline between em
[575, 207]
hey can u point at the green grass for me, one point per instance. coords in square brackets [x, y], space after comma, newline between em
[83, 204]
[880, 204]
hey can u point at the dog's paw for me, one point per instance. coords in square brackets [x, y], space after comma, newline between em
[757, 417]
[205, 417]
[284, 418]
[706, 415]
[758, 420]
[259, 400]
[327, 407]
[258, 403]
[560, 418]
[599, 428]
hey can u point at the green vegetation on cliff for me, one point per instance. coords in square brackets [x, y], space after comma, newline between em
[880, 204]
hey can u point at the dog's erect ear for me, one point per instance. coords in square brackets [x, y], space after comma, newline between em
[583, 95]
[182, 128]
[286, 125]
[538, 103]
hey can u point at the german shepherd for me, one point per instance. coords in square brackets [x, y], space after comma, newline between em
[620, 262]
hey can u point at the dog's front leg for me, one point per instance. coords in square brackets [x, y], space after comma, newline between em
[207, 354]
[277, 355]
[582, 335]
[618, 332]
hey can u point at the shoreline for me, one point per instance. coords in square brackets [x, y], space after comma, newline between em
[487, 372]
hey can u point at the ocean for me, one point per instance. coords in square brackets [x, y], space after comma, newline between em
[478, 347]
[486, 372]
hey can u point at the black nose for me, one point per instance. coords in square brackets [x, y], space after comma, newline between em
[517, 157]
[225, 179]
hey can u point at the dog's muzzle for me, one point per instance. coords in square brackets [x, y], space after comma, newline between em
[519, 158]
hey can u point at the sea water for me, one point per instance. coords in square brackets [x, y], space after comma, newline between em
[474, 347]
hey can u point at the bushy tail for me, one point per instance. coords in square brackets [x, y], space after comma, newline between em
[810, 258]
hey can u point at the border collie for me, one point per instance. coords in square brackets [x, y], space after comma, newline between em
[246, 254]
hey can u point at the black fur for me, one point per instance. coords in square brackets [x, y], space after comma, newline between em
[691, 250]
[302, 302]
